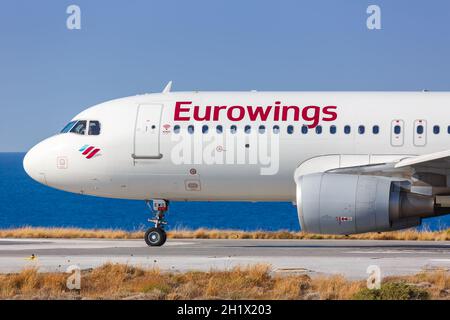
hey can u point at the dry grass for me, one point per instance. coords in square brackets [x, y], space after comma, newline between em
[410, 234]
[32, 232]
[68, 233]
[115, 281]
[436, 283]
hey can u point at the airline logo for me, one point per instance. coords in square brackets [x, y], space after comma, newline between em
[278, 111]
[89, 151]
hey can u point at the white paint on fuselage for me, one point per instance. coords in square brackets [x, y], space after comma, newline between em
[114, 173]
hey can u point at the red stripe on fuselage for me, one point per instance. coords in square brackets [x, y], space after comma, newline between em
[93, 153]
[88, 150]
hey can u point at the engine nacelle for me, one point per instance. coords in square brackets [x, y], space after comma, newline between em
[331, 203]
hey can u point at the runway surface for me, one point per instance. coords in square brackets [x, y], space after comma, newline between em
[314, 257]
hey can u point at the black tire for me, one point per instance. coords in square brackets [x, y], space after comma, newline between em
[155, 237]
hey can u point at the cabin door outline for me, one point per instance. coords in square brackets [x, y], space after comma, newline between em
[147, 132]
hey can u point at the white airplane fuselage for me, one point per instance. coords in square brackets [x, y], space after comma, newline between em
[135, 145]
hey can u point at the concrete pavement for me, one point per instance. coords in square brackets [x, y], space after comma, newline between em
[314, 257]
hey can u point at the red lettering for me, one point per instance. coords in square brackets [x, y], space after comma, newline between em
[179, 109]
[241, 113]
[315, 117]
[332, 114]
[258, 112]
[296, 109]
[276, 113]
[206, 116]
[217, 111]
[311, 114]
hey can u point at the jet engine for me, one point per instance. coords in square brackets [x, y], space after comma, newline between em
[332, 203]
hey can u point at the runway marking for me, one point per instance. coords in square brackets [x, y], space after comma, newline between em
[55, 244]
[440, 260]
[169, 243]
[293, 270]
[391, 251]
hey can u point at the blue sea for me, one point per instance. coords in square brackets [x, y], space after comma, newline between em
[24, 202]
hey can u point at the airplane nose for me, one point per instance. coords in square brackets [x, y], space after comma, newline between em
[32, 163]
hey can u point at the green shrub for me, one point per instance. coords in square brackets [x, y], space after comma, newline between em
[392, 291]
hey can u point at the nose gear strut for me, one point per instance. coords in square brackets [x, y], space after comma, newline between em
[156, 236]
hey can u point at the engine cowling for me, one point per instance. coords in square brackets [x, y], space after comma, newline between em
[331, 203]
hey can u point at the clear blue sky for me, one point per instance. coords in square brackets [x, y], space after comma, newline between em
[49, 73]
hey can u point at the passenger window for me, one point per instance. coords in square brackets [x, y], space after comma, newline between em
[191, 129]
[219, 129]
[68, 127]
[80, 127]
[276, 129]
[176, 129]
[205, 129]
[94, 128]
[290, 129]
[319, 129]
[304, 129]
[375, 129]
[233, 129]
[347, 129]
[419, 129]
[333, 129]
[397, 129]
[361, 129]
[436, 129]
[262, 129]
[247, 129]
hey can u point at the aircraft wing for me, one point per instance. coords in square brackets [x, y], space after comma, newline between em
[434, 161]
[430, 170]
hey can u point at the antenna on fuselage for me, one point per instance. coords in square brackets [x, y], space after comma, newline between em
[168, 87]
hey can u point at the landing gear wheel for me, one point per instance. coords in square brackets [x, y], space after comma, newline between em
[155, 237]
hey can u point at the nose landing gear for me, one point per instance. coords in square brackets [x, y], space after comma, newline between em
[156, 236]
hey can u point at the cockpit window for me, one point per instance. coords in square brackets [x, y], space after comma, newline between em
[68, 127]
[94, 128]
[80, 127]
